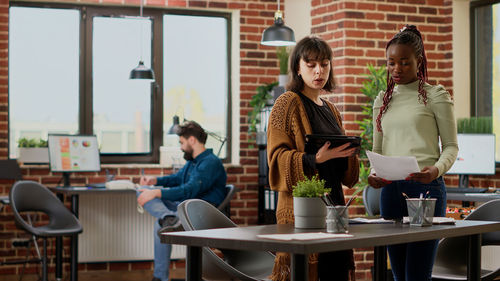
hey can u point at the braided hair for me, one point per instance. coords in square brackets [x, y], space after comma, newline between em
[410, 36]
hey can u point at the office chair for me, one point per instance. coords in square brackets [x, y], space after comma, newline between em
[30, 196]
[451, 259]
[196, 214]
[225, 205]
[371, 199]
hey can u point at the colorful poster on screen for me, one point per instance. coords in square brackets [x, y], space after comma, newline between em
[73, 153]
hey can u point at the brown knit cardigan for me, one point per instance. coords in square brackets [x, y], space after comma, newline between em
[288, 126]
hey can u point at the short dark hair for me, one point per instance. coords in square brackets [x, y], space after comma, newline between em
[192, 129]
[309, 48]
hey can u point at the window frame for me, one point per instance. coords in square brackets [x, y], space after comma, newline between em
[85, 119]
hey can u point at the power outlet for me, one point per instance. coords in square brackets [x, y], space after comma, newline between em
[20, 242]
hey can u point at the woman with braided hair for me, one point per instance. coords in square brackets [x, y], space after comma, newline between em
[409, 119]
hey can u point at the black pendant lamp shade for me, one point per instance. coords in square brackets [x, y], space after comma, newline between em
[142, 72]
[278, 34]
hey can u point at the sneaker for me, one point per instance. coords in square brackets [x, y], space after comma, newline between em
[170, 224]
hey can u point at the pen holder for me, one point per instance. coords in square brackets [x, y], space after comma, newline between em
[337, 219]
[421, 211]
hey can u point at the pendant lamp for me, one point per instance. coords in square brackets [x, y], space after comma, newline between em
[278, 34]
[141, 71]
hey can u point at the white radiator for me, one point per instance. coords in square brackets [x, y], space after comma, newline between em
[113, 230]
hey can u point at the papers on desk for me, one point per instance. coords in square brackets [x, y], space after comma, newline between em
[392, 167]
[367, 220]
[435, 220]
[304, 236]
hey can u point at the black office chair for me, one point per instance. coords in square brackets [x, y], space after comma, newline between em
[197, 214]
[451, 259]
[30, 196]
[371, 199]
[225, 205]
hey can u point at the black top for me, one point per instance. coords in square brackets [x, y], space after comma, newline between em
[332, 171]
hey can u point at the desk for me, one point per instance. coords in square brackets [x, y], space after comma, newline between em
[108, 209]
[476, 197]
[365, 235]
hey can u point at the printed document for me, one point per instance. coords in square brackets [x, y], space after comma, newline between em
[392, 167]
[304, 236]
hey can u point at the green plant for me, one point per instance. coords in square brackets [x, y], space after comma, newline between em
[310, 187]
[258, 102]
[32, 142]
[282, 54]
[474, 125]
[375, 83]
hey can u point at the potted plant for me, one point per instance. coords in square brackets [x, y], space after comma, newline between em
[258, 102]
[308, 208]
[31, 150]
[375, 83]
[282, 54]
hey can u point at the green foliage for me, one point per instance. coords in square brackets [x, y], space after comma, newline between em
[475, 125]
[282, 54]
[310, 187]
[375, 83]
[258, 102]
[25, 142]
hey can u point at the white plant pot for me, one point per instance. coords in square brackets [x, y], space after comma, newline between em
[33, 154]
[309, 212]
[282, 80]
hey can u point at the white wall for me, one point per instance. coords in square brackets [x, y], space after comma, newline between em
[461, 58]
[297, 16]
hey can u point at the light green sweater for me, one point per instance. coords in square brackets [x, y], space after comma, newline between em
[410, 128]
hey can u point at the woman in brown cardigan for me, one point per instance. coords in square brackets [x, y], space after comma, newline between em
[297, 113]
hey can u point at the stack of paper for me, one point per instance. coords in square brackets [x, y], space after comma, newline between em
[367, 220]
[435, 220]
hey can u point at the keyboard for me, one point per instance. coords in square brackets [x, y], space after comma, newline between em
[465, 190]
[97, 185]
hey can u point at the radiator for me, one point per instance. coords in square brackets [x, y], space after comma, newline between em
[113, 230]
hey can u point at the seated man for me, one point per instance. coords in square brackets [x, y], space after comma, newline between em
[202, 177]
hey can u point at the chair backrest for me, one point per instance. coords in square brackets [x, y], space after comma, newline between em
[30, 196]
[371, 199]
[196, 214]
[225, 204]
[489, 211]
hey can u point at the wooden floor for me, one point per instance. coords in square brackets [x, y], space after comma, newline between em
[136, 275]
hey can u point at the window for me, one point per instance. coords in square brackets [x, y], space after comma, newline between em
[43, 73]
[195, 84]
[485, 73]
[77, 82]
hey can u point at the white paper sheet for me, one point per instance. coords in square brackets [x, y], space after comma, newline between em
[392, 167]
[366, 220]
[303, 236]
[435, 220]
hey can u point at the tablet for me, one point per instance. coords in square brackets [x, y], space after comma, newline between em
[315, 141]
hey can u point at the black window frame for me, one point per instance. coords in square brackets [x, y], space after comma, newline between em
[85, 122]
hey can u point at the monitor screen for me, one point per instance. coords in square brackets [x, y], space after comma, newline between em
[476, 155]
[73, 153]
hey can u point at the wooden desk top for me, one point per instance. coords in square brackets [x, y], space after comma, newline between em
[365, 235]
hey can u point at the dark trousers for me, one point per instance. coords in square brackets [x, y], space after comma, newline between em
[412, 261]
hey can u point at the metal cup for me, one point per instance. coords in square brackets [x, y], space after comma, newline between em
[337, 219]
[421, 211]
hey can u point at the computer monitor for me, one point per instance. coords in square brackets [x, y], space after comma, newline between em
[73, 153]
[476, 156]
